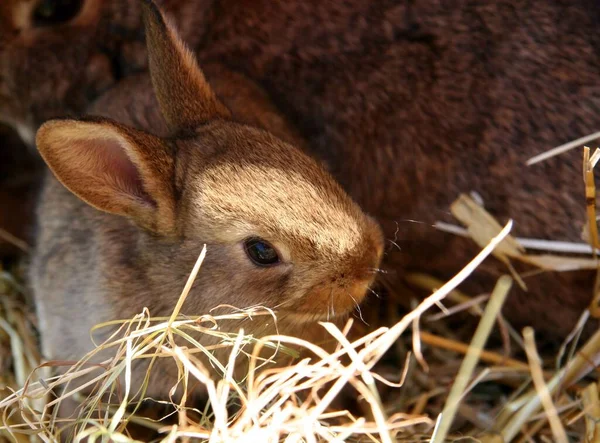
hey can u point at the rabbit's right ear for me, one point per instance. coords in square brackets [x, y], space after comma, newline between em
[114, 168]
[185, 97]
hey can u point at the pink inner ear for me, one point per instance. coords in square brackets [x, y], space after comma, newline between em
[109, 162]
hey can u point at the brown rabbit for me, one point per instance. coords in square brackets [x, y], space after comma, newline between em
[412, 103]
[56, 56]
[19, 179]
[125, 213]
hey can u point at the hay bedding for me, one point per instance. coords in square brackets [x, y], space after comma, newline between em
[418, 380]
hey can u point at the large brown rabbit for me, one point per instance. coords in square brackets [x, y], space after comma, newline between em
[125, 213]
[412, 103]
[19, 179]
[56, 56]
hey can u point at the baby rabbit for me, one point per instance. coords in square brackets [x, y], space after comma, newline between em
[124, 213]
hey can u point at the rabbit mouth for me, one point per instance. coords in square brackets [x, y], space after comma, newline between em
[328, 302]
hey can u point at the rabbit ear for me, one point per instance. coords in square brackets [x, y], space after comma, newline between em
[186, 99]
[113, 168]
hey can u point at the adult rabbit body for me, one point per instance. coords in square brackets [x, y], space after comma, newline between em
[410, 104]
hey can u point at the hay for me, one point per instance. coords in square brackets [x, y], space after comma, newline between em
[442, 384]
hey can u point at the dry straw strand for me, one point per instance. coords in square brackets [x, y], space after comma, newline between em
[472, 357]
[272, 401]
[591, 410]
[563, 148]
[537, 375]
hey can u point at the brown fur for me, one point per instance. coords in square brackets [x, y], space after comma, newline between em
[159, 199]
[57, 70]
[19, 179]
[409, 103]
[49, 70]
[413, 103]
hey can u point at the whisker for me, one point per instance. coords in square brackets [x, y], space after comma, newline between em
[377, 270]
[357, 307]
[395, 236]
[410, 220]
[395, 244]
[330, 304]
[380, 271]
[375, 293]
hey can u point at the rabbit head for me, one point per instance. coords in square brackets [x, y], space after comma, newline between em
[53, 58]
[280, 232]
[56, 56]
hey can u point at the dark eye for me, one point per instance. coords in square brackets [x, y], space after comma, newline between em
[261, 252]
[53, 12]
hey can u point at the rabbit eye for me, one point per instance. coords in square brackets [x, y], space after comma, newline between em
[261, 252]
[53, 12]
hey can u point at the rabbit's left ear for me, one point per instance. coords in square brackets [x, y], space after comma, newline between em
[113, 168]
[186, 99]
